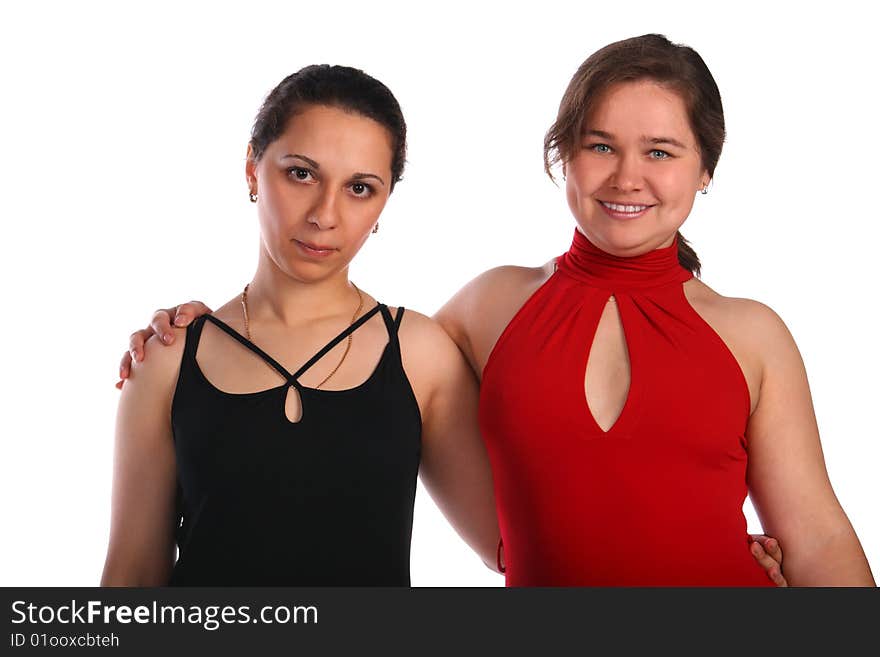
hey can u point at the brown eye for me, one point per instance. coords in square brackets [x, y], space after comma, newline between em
[299, 173]
[361, 189]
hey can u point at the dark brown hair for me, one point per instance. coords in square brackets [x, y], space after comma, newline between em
[648, 57]
[347, 88]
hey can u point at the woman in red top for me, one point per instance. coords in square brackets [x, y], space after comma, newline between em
[623, 400]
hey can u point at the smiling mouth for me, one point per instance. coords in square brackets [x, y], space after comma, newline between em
[624, 210]
[629, 209]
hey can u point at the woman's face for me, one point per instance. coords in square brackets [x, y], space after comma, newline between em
[631, 184]
[322, 186]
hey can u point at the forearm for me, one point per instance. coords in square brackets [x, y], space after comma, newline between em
[470, 510]
[119, 572]
[836, 561]
[127, 580]
[481, 534]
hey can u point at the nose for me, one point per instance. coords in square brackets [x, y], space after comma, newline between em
[323, 214]
[627, 176]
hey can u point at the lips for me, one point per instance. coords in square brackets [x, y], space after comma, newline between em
[315, 249]
[625, 210]
[619, 207]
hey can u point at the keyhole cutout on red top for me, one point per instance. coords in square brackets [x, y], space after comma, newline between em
[608, 376]
[293, 409]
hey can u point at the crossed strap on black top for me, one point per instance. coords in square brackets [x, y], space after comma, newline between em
[293, 379]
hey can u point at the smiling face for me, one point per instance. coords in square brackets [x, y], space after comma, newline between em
[632, 182]
[321, 185]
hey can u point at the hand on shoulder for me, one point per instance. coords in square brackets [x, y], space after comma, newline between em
[161, 362]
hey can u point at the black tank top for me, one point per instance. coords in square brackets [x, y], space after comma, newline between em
[325, 501]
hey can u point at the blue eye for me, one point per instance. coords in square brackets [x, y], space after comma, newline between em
[657, 154]
[600, 148]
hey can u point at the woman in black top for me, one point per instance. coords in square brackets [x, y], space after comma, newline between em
[268, 450]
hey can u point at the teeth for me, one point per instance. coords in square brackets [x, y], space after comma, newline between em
[632, 209]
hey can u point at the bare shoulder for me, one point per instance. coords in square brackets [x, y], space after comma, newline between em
[478, 313]
[423, 338]
[511, 274]
[161, 363]
[431, 359]
[500, 281]
[748, 319]
[753, 332]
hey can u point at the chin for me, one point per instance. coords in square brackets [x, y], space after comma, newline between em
[624, 240]
[616, 240]
[309, 272]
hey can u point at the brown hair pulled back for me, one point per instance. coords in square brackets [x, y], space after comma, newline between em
[648, 57]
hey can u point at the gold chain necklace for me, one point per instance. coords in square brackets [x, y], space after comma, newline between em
[247, 326]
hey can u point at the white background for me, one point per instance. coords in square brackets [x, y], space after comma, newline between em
[124, 129]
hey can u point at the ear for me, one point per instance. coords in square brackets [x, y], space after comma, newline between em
[250, 170]
[705, 179]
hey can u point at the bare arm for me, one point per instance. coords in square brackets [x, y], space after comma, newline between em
[788, 482]
[141, 546]
[477, 314]
[455, 467]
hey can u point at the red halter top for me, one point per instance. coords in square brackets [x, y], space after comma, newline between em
[657, 499]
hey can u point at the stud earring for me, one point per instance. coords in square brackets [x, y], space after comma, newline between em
[376, 228]
[253, 197]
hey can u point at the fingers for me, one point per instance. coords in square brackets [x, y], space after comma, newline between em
[183, 315]
[161, 324]
[777, 577]
[768, 563]
[187, 312]
[771, 547]
[136, 343]
[774, 551]
[124, 369]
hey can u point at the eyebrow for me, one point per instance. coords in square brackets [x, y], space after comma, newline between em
[316, 166]
[305, 159]
[666, 140]
[650, 140]
[362, 176]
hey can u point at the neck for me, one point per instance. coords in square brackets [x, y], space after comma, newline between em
[274, 296]
[590, 264]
